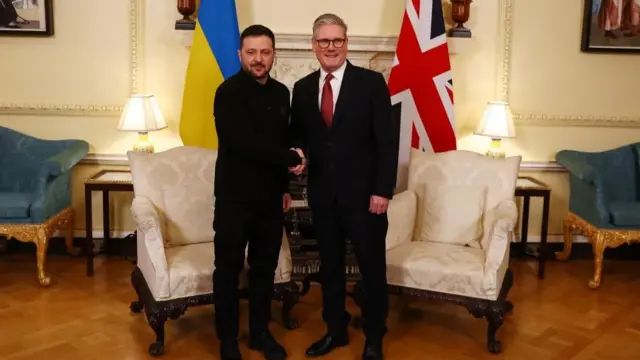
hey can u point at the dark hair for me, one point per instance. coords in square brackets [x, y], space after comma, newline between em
[257, 30]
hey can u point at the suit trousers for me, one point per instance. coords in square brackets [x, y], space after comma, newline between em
[236, 224]
[367, 233]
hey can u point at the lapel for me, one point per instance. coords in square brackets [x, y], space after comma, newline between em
[346, 90]
[314, 93]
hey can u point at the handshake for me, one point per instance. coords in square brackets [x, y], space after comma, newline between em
[297, 170]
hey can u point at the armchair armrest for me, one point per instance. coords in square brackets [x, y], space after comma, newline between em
[587, 194]
[576, 165]
[498, 243]
[52, 191]
[152, 260]
[402, 216]
[65, 160]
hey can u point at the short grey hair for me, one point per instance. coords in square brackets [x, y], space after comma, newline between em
[328, 19]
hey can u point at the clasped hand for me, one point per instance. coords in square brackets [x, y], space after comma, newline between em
[297, 170]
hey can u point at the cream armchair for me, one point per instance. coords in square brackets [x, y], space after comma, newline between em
[173, 210]
[450, 232]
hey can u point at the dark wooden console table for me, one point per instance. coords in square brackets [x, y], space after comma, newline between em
[105, 181]
[528, 187]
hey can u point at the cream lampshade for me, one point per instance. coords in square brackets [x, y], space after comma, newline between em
[142, 114]
[496, 123]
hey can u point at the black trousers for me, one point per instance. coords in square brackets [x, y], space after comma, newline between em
[367, 233]
[260, 224]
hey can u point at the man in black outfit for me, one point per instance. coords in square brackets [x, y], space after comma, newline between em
[352, 154]
[251, 113]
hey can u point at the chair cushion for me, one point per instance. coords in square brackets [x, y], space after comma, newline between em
[452, 214]
[188, 210]
[14, 205]
[191, 269]
[625, 214]
[179, 183]
[445, 268]
[462, 167]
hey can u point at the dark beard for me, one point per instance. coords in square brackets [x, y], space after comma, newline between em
[247, 70]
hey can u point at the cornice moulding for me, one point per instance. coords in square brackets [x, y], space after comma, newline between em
[136, 22]
[359, 43]
[121, 160]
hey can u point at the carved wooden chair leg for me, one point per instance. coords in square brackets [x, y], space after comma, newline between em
[568, 240]
[507, 283]
[42, 244]
[306, 282]
[356, 294]
[136, 306]
[402, 306]
[289, 294]
[68, 225]
[495, 317]
[598, 245]
[495, 312]
[156, 319]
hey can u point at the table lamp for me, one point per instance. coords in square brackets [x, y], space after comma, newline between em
[142, 114]
[496, 123]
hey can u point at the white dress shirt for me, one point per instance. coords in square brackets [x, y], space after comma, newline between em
[336, 82]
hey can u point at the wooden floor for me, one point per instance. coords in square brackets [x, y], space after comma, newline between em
[88, 318]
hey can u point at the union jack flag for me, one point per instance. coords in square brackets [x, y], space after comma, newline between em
[421, 83]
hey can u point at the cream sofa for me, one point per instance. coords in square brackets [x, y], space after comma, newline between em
[450, 232]
[173, 210]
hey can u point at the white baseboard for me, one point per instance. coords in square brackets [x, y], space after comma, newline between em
[119, 234]
[96, 234]
[552, 238]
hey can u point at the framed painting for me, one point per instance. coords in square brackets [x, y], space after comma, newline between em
[611, 26]
[26, 17]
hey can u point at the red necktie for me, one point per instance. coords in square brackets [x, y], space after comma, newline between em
[326, 104]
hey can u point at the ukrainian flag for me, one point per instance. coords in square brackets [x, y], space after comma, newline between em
[213, 58]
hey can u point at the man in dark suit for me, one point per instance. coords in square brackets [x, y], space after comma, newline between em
[251, 112]
[341, 119]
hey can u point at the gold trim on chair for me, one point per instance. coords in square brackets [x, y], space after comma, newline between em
[600, 240]
[40, 234]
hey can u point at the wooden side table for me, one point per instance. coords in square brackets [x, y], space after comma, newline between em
[529, 187]
[105, 181]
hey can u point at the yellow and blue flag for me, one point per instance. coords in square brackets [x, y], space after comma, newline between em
[213, 58]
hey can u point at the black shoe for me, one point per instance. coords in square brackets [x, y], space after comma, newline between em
[268, 346]
[229, 350]
[372, 350]
[326, 344]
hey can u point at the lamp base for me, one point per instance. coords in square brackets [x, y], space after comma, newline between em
[495, 151]
[143, 144]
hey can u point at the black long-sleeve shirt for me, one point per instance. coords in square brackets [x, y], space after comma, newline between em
[251, 122]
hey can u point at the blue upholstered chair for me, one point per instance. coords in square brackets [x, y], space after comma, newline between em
[35, 190]
[604, 202]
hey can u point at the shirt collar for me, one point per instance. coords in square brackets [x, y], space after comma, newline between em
[338, 74]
